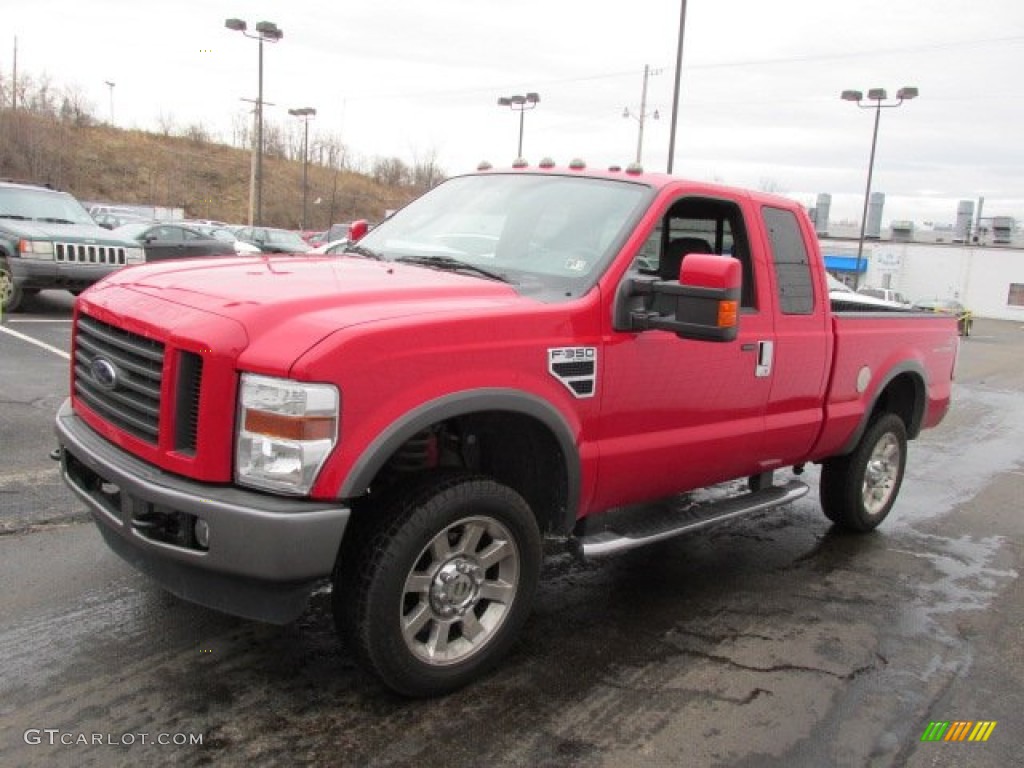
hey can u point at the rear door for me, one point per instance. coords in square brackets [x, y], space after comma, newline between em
[802, 335]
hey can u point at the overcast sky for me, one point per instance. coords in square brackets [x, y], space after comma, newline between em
[760, 99]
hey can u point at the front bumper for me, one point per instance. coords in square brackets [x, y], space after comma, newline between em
[265, 552]
[33, 273]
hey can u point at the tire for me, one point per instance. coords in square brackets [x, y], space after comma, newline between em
[10, 292]
[857, 491]
[432, 593]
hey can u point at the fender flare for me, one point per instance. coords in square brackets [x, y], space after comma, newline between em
[919, 376]
[373, 457]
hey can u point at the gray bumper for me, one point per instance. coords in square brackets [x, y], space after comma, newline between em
[265, 552]
[33, 273]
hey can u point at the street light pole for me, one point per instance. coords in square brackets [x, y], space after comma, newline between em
[520, 104]
[676, 89]
[305, 113]
[269, 31]
[110, 85]
[878, 97]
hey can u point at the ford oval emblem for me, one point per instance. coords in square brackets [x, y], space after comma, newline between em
[104, 373]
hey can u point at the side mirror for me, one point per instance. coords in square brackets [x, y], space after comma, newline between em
[703, 305]
[357, 230]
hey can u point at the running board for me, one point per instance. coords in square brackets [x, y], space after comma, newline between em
[673, 523]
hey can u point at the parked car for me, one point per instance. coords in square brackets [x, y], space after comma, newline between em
[843, 297]
[964, 321]
[336, 232]
[174, 241]
[49, 240]
[273, 240]
[886, 294]
[115, 220]
[225, 233]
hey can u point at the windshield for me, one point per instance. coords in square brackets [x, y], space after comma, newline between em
[42, 205]
[550, 236]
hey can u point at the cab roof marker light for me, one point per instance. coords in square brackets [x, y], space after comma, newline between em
[634, 169]
[520, 162]
[577, 164]
[547, 162]
[614, 168]
[484, 166]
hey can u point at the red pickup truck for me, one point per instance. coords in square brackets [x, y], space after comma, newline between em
[516, 355]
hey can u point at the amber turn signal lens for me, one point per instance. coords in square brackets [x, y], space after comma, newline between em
[727, 313]
[289, 427]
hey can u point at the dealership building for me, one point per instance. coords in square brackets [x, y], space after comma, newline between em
[978, 262]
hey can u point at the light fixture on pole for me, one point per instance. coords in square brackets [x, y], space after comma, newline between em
[520, 104]
[877, 97]
[643, 113]
[305, 113]
[269, 31]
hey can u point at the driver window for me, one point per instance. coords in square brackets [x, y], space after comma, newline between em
[698, 225]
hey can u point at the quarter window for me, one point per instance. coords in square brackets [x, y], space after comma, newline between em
[792, 264]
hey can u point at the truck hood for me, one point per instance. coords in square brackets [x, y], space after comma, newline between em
[75, 233]
[293, 302]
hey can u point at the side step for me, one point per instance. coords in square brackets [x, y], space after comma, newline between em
[629, 533]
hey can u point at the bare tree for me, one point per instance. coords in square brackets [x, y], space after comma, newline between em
[426, 173]
[390, 171]
[165, 122]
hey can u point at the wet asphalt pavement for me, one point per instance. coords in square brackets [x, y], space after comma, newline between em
[769, 641]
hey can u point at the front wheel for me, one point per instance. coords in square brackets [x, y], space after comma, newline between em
[857, 491]
[10, 292]
[438, 584]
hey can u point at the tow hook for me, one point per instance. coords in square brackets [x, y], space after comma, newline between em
[57, 453]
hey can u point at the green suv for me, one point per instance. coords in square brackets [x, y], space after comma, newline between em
[48, 240]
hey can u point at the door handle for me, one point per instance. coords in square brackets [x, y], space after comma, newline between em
[765, 356]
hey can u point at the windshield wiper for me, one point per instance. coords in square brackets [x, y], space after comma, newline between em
[55, 220]
[454, 265]
[17, 216]
[362, 250]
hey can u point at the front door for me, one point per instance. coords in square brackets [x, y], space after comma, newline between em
[676, 413]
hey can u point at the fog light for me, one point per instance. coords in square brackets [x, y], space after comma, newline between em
[202, 531]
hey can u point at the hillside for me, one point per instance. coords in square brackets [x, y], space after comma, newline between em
[208, 180]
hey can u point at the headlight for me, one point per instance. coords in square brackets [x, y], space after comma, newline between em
[286, 431]
[134, 256]
[36, 249]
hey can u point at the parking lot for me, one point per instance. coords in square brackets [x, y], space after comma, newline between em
[771, 641]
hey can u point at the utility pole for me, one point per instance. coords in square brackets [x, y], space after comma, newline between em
[640, 118]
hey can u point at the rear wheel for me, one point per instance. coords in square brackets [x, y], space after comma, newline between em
[857, 491]
[432, 592]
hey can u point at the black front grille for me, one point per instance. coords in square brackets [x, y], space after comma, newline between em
[80, 253]
[117, 374]
[186, 410]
